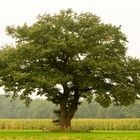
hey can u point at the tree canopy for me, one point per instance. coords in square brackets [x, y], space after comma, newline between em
[67, 57]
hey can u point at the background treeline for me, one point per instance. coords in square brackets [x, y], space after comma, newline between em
[43, 109]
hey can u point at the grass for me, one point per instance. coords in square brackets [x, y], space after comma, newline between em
[101, 129]
[94, 135]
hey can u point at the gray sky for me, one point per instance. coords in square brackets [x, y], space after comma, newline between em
[117, 12]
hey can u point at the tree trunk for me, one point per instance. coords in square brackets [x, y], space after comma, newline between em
[67, 110]
[65, 120]
[67, 113]
[65, 124]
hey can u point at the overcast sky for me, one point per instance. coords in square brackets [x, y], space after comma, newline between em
[117, 12]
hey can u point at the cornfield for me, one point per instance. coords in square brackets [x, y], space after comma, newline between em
[107, 124]
[77, 124]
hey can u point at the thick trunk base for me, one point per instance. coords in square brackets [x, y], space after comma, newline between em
[65, 124]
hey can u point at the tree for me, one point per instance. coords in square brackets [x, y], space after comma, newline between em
[67, 57]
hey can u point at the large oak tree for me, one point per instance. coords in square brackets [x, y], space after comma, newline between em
[67, 57]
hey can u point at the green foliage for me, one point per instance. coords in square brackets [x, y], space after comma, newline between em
[66, 57]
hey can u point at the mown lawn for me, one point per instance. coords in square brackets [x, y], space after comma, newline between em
[94, 135]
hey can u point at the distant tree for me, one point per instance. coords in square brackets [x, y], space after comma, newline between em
[90, 109]
[132, 111]
[114, 112]
[67, 57]
[16, 109]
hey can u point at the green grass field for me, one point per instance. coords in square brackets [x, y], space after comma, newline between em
[94, 135]
[100, 129]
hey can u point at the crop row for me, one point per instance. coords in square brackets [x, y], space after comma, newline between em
[82, 124]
